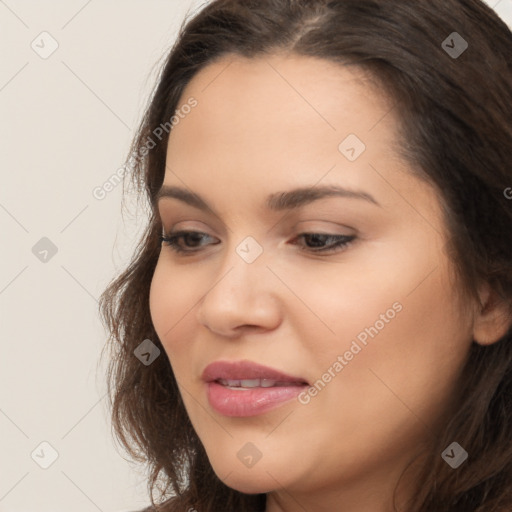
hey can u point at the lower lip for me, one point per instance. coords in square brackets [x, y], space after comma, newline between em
[249, 401]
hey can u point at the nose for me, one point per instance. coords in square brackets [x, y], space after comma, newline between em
[241, 297]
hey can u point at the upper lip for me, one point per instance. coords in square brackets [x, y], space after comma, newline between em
[244, 370]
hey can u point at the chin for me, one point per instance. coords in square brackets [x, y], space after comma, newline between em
[249, 481]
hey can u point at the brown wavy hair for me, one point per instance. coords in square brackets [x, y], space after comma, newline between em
[456, 131]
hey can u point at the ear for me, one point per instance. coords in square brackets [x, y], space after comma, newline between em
[493, 316]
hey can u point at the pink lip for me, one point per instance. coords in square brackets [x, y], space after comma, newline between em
[238, 370]
[253, 401]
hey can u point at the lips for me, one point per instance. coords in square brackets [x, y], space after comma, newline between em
[248, 374]
[244, 388]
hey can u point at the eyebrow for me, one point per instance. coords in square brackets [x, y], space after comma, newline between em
[279, 201]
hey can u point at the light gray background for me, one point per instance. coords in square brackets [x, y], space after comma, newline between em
[66, 125]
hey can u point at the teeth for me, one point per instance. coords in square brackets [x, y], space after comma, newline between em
[248, 383]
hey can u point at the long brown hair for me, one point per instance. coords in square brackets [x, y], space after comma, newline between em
[456, 131]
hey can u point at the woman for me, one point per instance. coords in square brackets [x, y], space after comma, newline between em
[319, 315]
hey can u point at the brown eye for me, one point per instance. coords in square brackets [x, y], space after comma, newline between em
[317, 241]
[191, 240]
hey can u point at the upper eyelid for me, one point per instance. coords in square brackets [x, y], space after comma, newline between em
[330, 227]
[288, 198]
[174, 232]
[297, 222]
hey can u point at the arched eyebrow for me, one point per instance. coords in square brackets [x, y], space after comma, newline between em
[279, 201]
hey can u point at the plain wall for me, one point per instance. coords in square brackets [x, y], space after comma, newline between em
[66, 124]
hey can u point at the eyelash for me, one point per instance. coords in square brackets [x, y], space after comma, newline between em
[342, 242]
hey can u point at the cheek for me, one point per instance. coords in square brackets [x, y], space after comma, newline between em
[395, 372]
[397, 327]
[161, 301]
[171, 300]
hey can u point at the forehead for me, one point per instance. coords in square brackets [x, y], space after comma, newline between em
[316, 90]
[281, 101]
[277, 122]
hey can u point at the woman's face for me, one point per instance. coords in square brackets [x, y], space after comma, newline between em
[374, 327]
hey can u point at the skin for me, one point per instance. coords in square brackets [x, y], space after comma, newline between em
[268, 125]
